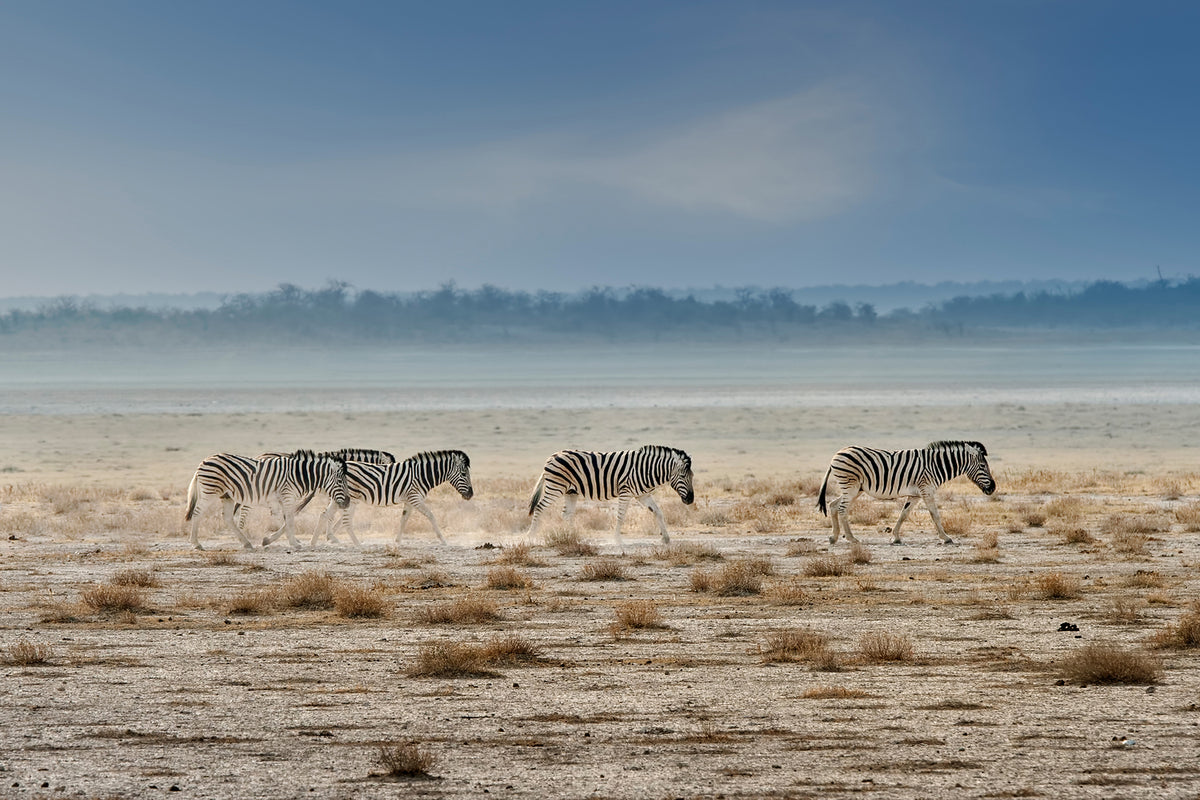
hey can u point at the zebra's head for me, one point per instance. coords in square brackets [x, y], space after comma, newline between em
[681, 476]
[977, 467]
[333, 479]
[460, 474]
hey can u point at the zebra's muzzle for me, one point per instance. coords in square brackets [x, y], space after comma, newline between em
[468, 494]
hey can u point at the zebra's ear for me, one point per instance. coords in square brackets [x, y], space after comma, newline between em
[980, 447]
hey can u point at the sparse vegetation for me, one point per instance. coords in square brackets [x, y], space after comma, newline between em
[406, 760]
[26, 653]
[826, 567]
[566, 542]
[1184, 634]
[506, 578]
[471, 610]
[604, 569]
[450, 660]
[309, 590]
[885, 648]
[1108, 663]
[734, 579]
[360, 602]
[109, 599]
[639, 614]
[796, 644]
[1057, 586]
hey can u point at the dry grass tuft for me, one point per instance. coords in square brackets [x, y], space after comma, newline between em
[506, 578]
[360, 602]
[309, 590]
[450, 660]
[826, 567]
[134, 577]
[464, 611]
[406, 760]
[1034, 518]
[860, 553]
[24, 653]
[604, 569]
[735, 579]
[1064, 508]
[566, 542]
[1107, 663]
[107, 599]
[885, 648]
[252, 601]
[834, 693]
[796, 644]
[509, 650]
[520, 554]
[681, 555]
[801, 547]
[1189, 517]
[1123, 611]
[1184, 634]
[1073, 534]
[790, 593]
[1056, 586]
[1145, 579]
[219, 558]
[639, 614]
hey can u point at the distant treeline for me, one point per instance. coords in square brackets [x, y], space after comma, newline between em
[338, 313]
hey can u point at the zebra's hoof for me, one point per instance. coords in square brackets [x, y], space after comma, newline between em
[897, 541]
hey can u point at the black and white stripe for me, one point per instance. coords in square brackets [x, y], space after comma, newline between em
[406, 483]
[623, 475]
[242, 481]
[907, 474]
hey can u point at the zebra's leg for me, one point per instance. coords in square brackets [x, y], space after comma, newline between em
[289, 527]
[841, 519]
[227, 508]
[569, 505]
[649, 503]
[908, 504]
[347, 518]
[622, 506]
[323, 523]
[419, 504]
[937, 518]
[196, 524]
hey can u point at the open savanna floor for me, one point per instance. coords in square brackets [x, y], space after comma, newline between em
[746, 659]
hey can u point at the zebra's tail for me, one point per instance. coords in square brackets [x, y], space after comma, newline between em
[538, 491]
[821, 497]
[193, 497]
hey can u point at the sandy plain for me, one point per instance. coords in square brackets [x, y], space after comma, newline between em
[198, 691]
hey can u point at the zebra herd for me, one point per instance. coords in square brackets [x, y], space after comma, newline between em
[290, 480]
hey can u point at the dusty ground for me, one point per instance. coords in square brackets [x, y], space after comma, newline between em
[188, 692]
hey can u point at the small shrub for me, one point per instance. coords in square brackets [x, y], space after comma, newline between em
[309, 590]
[701, 580]
[885, 648]
[737, 579]
[109, 599]
[1075, 535]
[1123, 612]
[1130, 542]
[825, 567]
[1184, 634]
[801, 547]
[1107, 663]
[604, 569]
[252, 601]
[715, 517]
[134, 577]
[509, 650]
[679, 555]
[1065, 508]
[790, 593]
[640, 614]
[781, 499]
[796, 644]
[760, 565]
[406, 760]
[464, 611]
[1145, 579]
[1056, 586]
[566, 542]
[1189, 516]
[25, 653]
[360, 602]
[450, 660]
[1034, 518]
[508, 578]
[520, 554]
[860, 553]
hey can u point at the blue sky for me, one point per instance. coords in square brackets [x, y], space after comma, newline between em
[232, 146]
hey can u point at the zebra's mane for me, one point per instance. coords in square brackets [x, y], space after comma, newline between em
[951, 444]
[439, 453]
[312, 454]
[684, 457]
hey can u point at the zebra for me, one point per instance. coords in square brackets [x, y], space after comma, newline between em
[907, 474]
[623, 475]
[240, 481]
[406, 482]
[346, 454]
